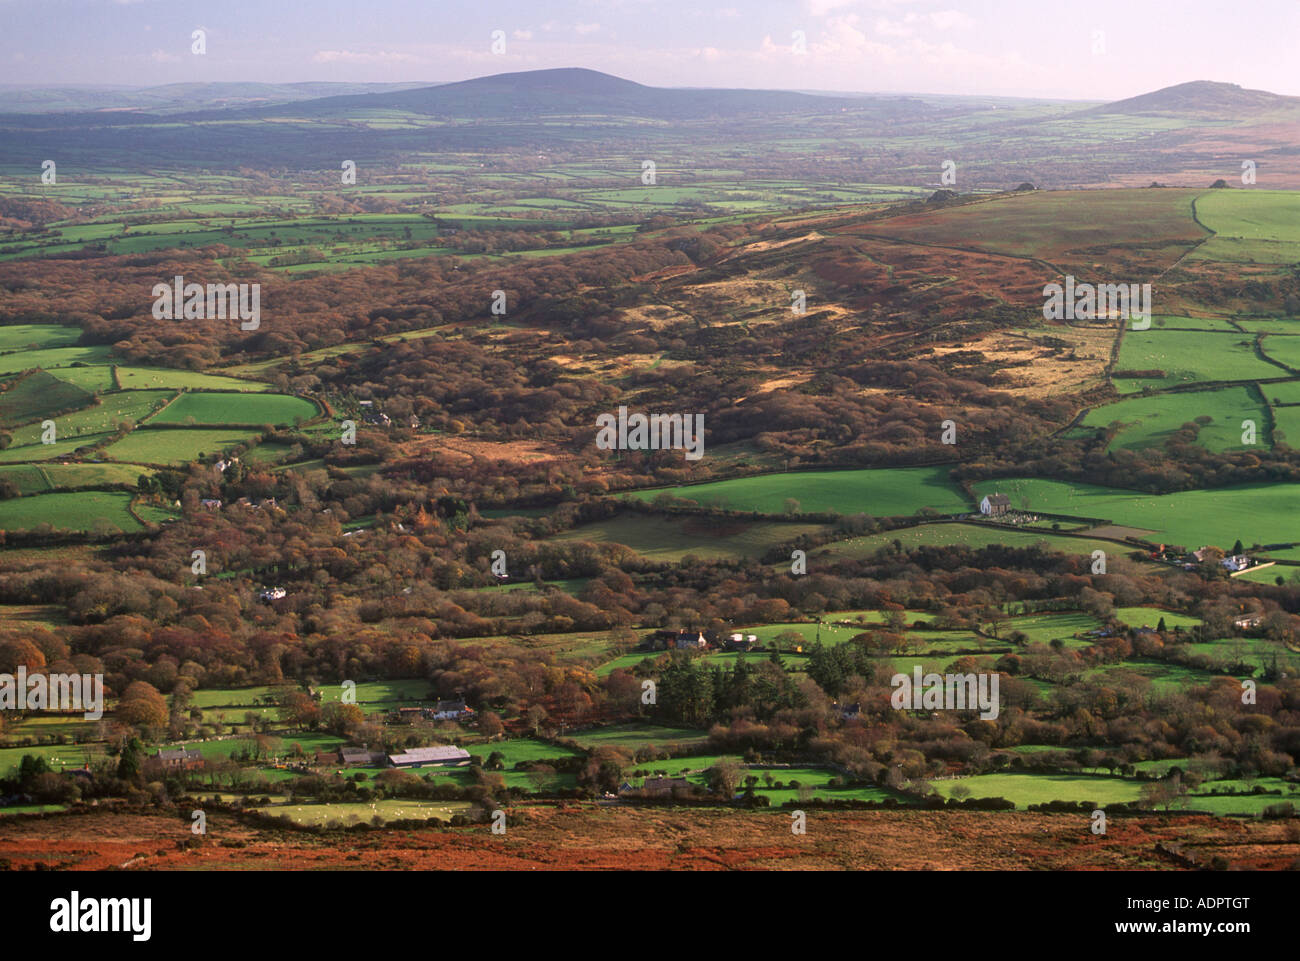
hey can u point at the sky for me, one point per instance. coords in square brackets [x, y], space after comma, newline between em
[1098, 50]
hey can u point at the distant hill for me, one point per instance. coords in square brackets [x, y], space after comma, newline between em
[1204, 97]
[177, 97]
[574, 91]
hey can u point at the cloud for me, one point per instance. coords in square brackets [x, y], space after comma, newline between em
[819, 8]
[522, 35]
[353, 56]
[586, 28]
[950, 20]
[938, 20]
[162, 56]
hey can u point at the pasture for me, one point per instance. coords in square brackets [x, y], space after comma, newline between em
[1151, 617]
[633, 736]
[674, 538]
[973, 536]
[1026, 789]
[37, 394]
[1149, 421]
[1256, 513]
[52, 357]
[1189, 356]
[218, 409]
[1251, 226]
[93, 511]
[883, 492]
[172, 379]
[1284, 349]
[345, 813]
[36, 336]
[174, 446]
[41, 478]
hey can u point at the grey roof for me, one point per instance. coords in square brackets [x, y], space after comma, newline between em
[430, 755]
[999, 499]
[179, 754]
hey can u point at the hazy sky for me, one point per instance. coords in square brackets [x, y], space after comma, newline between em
[1104, 49]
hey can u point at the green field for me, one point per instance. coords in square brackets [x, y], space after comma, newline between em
[516, 750]
[51, 357]
[1150, 617]
[235, 696]
[1150, 421]
[1044, 628]
[170, 379]
[374, 692]
[632, 736]
[175, 445]
[1251, 226]
[1284, 349]
[36, 395]
[94, 511]
[1026, 789]
[35, 336]
[673, 538]
[1256, 513]
[57, 756]
[348, 813]
[41, 478]
[1186, 357]
[243, 408]
[885, 492]
[965, 535]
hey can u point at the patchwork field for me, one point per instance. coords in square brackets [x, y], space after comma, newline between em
[28, 398]
[245, 408]
[40, 478]
[673, 538]
[1251, 226]
[93, 511]
[965, 535]
[390, 809]
[1189, 356]
[1256, 513]
[1150, 421]
[175, 445]
[880, 493]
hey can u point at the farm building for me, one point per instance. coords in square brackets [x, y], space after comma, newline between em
[995, 505]
[449, 710]
[687, 640]
[183, 758]
[359, 756]
[742, 642]
[418, 756]
[676, 640]
[1247, 621]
